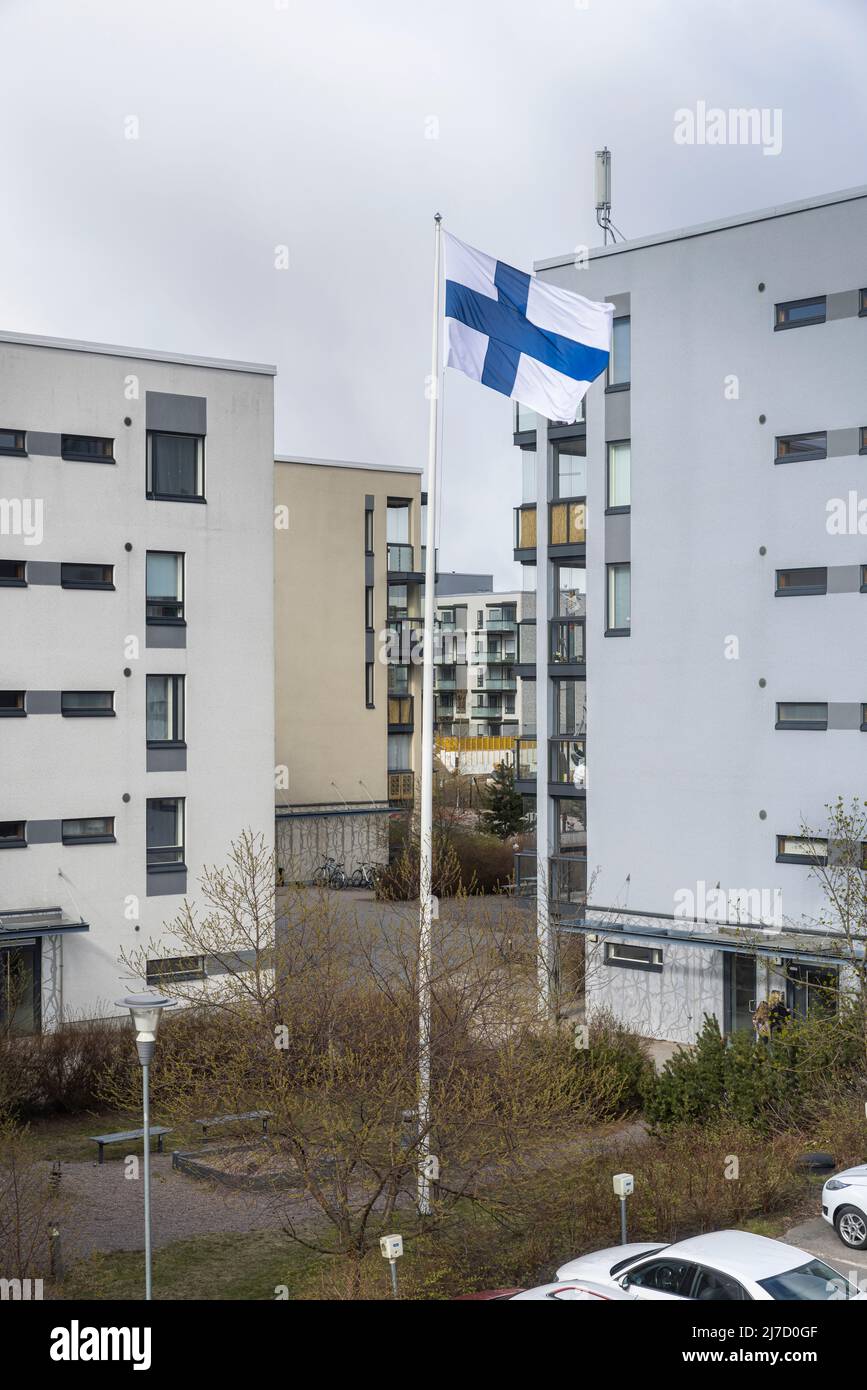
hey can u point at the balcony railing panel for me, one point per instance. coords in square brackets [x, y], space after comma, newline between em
[400, 558]
[567, 641]
[525, 528]
[567, 764]
[568, 523]
[525, 759]
[401, 788]
[400, 709]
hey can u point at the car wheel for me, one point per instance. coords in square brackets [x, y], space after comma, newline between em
[851, 1227]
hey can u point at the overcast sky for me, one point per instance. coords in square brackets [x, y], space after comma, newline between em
[308, 124]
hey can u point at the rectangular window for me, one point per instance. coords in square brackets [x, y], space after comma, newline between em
[12, 574]
[164, 719]
[569, 706]
[807, 716]
[86, 448]
[176, 467]
[176, 968]
[802, 581]
[11, 704]
[397, 523]
[12, 834]
[368, 531]
[571, 472]
[164, 586]
[801, 849]
[78, 704]
[165, 832]
[619, 599]
[398, 679]
[620, 364]
[398, 602]
[368, 608]
[570, 825]
[400, 752]
[623, 953]
[792, 448]
[87, 576]
[90, 830]
[568, 523]
[12, 442]
[619, 465]
[796, 313]
[369, 684]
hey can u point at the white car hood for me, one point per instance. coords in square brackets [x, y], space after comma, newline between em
[856, 1177]
[598, 1264]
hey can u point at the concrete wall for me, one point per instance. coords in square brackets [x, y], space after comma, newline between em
[55, 639]
[325, 732]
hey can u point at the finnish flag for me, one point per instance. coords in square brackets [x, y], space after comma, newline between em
[532, 341]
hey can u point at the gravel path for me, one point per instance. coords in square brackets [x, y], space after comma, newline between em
[105, 1209]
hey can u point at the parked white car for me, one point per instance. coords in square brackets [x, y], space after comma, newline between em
[844, 1205]
[572, 1291]
[722, 1265]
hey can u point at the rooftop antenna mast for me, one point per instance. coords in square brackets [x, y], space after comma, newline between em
[603, 197]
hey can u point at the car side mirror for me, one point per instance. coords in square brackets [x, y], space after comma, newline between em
[623, 1281]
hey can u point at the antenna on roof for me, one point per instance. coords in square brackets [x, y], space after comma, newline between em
[603, 196]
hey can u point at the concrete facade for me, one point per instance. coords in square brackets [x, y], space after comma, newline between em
[689, 780]
[348, 596]
[64, 640]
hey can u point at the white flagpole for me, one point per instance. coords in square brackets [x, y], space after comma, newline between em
[544, 960]
[427, 735]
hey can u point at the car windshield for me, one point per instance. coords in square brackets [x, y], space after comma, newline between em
[645, 1254]
[815, 1281]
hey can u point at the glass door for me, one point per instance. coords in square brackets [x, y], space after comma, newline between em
[739, 987]
[19, 988]
[812, 990]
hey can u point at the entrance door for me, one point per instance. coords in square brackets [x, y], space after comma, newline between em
[19, 988]
[739, 992]
[813, 990]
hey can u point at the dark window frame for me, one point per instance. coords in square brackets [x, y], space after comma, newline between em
[151, 493]
[821, 724]
[801, 590]
[369, 685]
[369, 533]
[179, 619]
[16, 451]
[17, 583]
[168, 865]
[178, 709]
[187, 971]
[652, 963]
[612, 386]
[86, 583]
[609, 630]
[87, 713]
[84, 456]
[808, 455]
[18, 711]
[862, 304]
[106, 838]
[816, 860]
[369, 611]
[20, 841]
[862, 440]
[618, 510]
[781, 324]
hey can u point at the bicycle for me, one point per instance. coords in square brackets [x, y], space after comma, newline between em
[364, 876]
[329, 874]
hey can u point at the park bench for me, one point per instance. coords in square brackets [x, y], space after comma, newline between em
[126, 1135]
[213, 1120]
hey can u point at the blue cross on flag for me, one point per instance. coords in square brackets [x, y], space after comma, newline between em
[532, 341]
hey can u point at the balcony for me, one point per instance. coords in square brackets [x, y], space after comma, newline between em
[505, 681]
[401, 563]
[500, 657]
[567, 641]
[525, 420]
[400, 713]
[567, 764]
[568, 878]
[567, 526]
[443, 681]
[525, 760]
[484, 709]
[501, 619]
[401, 788]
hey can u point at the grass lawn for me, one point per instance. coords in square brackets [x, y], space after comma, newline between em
[66, 1137]
[208, 1267]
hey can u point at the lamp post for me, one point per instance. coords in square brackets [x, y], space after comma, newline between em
[145, 1010]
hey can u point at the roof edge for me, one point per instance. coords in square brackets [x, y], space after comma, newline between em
[139, 354]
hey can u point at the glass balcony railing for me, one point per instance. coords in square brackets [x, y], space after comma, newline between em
[500, 619]
[400, 558]
[525, 528]
[443, 681]
[525, 759]
[568, 523]
[500, 657]
[505, 681]
[525, 419]
[567, 641]
[400, 711]
[567, 763]
[568, 879]
[487, 709]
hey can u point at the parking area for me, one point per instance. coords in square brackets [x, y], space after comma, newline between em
[822, 1240]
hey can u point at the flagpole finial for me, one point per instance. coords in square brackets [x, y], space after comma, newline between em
[438, 217]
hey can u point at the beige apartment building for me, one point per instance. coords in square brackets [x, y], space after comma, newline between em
[348, 573]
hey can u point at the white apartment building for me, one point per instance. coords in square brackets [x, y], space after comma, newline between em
[136, 654]
[476, 651]
[720, 636]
